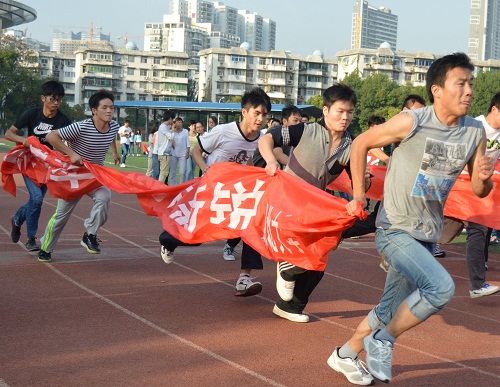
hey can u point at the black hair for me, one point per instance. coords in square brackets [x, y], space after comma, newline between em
[53, 88]
[192, 122]
[179, 119]
[436, 75]
[214, 119]
[495, 101]
[168, 115]
[254, 98]
[289, 111]
[375, 120]
[304, 115]
[410, 101]
[339, 92]
[96, 98]
[155, 127]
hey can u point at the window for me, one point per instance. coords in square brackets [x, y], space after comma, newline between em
[143, 72]
[144, 59]
[237, 58]
[130, 71]
[99, 69]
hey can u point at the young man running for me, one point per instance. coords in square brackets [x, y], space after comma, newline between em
[89, 139]
[233, 142]
[39, 121]
[436, 143]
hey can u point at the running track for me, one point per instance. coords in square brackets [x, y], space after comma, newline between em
[124, 318]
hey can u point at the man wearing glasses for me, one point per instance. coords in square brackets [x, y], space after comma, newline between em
[39, 121]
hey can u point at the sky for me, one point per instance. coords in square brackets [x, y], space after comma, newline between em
[437, 26]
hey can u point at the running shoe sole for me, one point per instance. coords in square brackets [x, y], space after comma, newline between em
[256, 288]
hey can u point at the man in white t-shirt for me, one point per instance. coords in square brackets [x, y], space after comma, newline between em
[234, 142]
[164, 144]
[125, 133]
[478, 236]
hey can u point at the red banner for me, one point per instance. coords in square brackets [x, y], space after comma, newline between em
[461, 204]
[282, 217]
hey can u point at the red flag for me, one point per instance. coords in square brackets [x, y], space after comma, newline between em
[145, 149]
[462, 203]
[45, 166]
[282, 217]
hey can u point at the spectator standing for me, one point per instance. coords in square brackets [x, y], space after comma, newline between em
[180, 153]
[193, 140]
[125, 133]
[164, 145]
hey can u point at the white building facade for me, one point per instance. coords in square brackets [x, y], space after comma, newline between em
[194, 25]
[129, 74]
[285, 77]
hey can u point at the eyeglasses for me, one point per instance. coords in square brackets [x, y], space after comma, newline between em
[54, 99]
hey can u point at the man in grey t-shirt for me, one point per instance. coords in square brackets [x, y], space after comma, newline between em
[436, 143]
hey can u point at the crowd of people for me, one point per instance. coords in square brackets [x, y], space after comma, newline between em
[407, 223]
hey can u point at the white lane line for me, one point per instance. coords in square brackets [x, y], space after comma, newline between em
[443, 359]
[3, 384]
[164, 331]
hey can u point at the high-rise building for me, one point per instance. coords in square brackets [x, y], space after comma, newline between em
[373, 26]
[193, 25]
[484, 33]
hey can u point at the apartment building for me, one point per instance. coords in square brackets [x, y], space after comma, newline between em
[130, 74]
[484, 31]
[373, 26]
[195, 25]
[400, 66]
[286, 77]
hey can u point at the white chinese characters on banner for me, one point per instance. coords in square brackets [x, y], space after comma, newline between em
[272, 235]
[239, 217]
[185, 216]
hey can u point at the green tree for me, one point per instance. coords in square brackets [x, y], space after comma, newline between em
[20, 80]
[486, 85]
[316, 100]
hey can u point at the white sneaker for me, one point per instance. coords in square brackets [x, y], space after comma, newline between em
[295, 317]
[122, 165]
[485, 290]
[228, 253]
[246, 287]
[284, 288]
[354, 370]
[167, 256]
[378, 357]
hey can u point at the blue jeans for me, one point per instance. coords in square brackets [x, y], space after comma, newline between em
[414, 277]
[125, 149]
[31, 210]
[181, 162]
[190, 167]
[156, 166]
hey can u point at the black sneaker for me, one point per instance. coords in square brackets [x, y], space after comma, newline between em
[43, 256]
[31, 244]
[91, 243]
[15, 233]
